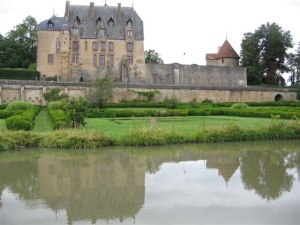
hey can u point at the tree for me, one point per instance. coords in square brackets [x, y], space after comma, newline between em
[264, 52]
[54, 95]
[75, 109]
[102, 91]
[293, 62]
[19, 47]
[151, 56]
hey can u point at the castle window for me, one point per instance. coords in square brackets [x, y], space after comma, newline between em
[222, 61]
[95, 46]
[101, 32]
[130, 59]
[102, 60]
[129, 33]
[51, 59]
[98, 21]
[129, 47]
[111, 22]
[95, 60]
[103, 46]
[111, 60]
[75, 58]
[75, 46]
[77, 20]
[111, 46]
[57, 45]
[50, 24]
[75, 31]
[129, 22]
[86, 45]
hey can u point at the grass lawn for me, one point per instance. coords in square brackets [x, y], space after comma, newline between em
[43, 121]
[2, 125]
[116, 127]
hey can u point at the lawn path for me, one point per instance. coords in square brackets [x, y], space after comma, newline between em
[43, 122]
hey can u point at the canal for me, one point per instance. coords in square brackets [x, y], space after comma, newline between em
[220, 183]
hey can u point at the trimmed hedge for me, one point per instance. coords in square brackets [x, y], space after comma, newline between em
[19, 74]
[60, 118]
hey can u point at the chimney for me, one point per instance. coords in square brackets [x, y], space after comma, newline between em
[119, 13]
[92, 10]
[67, 11]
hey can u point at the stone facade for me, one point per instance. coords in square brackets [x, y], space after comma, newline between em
[32, 91]
[90, 41]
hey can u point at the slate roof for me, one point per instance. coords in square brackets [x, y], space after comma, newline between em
[226, 51]
[88, 26]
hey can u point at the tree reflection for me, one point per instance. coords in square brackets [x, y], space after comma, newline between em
[266, 173]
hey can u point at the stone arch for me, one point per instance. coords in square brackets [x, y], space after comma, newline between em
[278, 97]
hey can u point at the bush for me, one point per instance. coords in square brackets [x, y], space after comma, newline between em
[18, 105]
[239, 106]
[19, 122]
[171, 103]
[19, 74]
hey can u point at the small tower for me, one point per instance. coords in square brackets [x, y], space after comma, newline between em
[226, 56]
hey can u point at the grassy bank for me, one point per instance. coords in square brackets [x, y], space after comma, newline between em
[81, 138]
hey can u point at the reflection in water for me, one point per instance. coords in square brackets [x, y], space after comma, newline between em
[110, 185]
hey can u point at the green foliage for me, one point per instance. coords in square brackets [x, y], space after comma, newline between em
[75, 139]
[101, 92]
[193, 103]
[171, 103]
[149, 95]
[75, 109]
[18, 105]
[151, 56]
[263, 52]
[19, 47]
[54, 95]
[32, 66]
[54, 105]
[298, 93]
[239, 106]
[60, 119]
[19, 74]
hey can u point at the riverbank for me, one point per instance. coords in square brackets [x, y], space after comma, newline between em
[81, 138]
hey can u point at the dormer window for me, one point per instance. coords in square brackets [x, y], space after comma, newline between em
[111, 22]
[77, 20]
[50, 24]
[129, 33]
[129, 22]
[102, 32]
[75, 31]
[98, 21]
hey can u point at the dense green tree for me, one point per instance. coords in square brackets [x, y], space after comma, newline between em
[264, 52]
[102, 91]
[19, 46]
[293, 64]
[151, 56]
[54, 95]
[75, 109]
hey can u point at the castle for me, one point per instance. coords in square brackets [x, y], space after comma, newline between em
[90, 41]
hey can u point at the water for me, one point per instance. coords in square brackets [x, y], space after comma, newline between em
[229, 183]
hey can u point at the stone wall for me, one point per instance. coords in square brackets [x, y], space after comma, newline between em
[32, 91]
[196, 75]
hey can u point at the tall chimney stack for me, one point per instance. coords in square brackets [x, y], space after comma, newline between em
[67, 10]
[92, 10]
[119, 13]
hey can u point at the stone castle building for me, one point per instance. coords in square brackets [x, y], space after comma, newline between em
[90, 41]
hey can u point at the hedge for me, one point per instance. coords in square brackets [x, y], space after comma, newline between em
[19, 74]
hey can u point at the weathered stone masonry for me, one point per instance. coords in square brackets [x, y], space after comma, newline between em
[32, 91]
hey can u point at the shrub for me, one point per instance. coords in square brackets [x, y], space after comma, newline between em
[193, 103]
[19, 122]
[171, 103]
[18, 105]
[239, 106]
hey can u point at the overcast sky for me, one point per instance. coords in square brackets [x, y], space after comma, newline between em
[173, 27]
